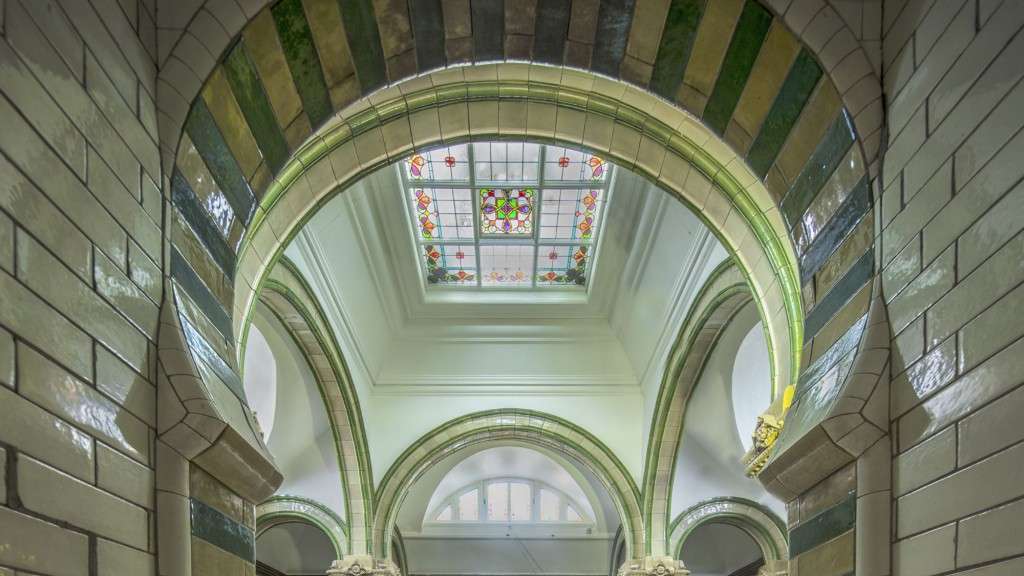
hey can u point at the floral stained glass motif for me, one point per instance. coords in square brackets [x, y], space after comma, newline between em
[450, 163]
[506, 211]
[506, 214]
[450, 263]
[443, 213]
[562, 265]
[569, 214]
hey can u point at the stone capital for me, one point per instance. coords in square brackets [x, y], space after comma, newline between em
[362, 565]
[654, 566]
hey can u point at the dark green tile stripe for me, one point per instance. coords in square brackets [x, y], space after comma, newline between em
[819, 168]
[222, 531]
[303, 61]
[855, 278]
[193, 285]
[614, 18]
[835, 231]
[488, 29]
[751, 30]
[795, 92]
[831, 523]
[846, 343]
[185, 200]
[252, 99]
[364, 43]
[428, 31]
[676, 42]
[217, 156]
[550, 30]
[209, 356]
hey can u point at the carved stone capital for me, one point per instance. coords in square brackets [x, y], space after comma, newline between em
[362, 565]
[654, 566]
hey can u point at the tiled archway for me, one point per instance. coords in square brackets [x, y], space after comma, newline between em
[526, 427]
[723, 295]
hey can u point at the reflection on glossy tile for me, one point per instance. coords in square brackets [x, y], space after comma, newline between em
[676, 41]
[841, 184]
[828, 239]
[303, 61]
[229, 117]
[217, 156]
[28, 543]
[751, 30]
[829, 304]
[840, 323]
[44, 436]
[847, 254]
[814, 121]
[191, 175]
[820, 166]
[191, 248]
[933, 371]
[210, 491]
[187, 278]
[828, 493]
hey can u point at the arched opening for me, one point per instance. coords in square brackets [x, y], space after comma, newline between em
[294, 549]
[719, 549]
[508, 509]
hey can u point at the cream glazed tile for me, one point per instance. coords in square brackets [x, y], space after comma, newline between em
[991, 535]
[36, 432]
[27, 543]
[113, 558]
[992, 428]
[6, 358]
[54, 494]
[929, 553]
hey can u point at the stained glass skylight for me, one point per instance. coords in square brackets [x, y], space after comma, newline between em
[506, 214]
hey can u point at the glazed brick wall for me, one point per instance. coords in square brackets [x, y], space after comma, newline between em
[80, 285]
[953, 262]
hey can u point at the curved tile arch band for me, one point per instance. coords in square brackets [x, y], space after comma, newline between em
[289, 298]
[523, 427]
[283, 509]
[721, 297]
[632, 128]
[761, 524]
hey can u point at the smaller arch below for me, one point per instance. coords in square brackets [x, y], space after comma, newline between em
[279, 510]
[525, 427]
[767, 529]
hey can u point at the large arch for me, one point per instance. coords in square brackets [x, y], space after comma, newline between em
[288, 296]
[723, 294]
[776, 154]
[283, 509]
[525, 427]
[768, 530]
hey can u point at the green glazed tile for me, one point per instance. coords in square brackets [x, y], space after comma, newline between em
[208, 140]
[751, 30]
[209, 357]
[614, 19]
[248, 90]
[828, 305]
[209, 490]
[834, 558]
[795, 92]
[187, 278]
[218, 529]
[363, 34]
[820, 366]
[221, 103]
[819, 167]
[676, 43]
[824, 527]
[300, 52]
[843, 221]
[188, 206]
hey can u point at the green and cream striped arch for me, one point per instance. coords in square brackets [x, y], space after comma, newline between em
[760, 523]
[764, 124]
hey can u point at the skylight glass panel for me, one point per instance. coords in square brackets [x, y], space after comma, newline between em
[520, 502]
[506, 214]
[445, 515]
[497, 501]
[550, 506]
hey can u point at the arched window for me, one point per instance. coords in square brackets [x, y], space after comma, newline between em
[508, 500]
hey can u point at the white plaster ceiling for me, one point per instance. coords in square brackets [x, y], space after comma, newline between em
[358, 252]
